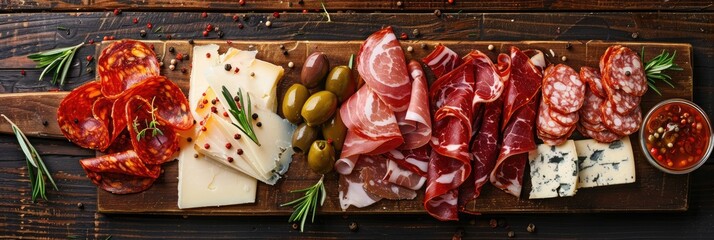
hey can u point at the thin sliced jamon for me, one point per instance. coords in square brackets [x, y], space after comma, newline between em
[452, 94]
[401, 176]
[442, 60]
[77, 120]
[415, 123]
[376, 184]
[563, 89]
[155, 142]
[351, 187]
[522, 88]
[622, 125]
[381, 63]
[604, 136]
[124, 64]
[356, 145]
[592, 77]
[590, 112]
[624, 70]
[489, 82]
[120, 173]
[171, 105]
[625, 102]
[415, 160]
[445, 176]
[547, 125]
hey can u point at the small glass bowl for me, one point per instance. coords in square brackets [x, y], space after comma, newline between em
[643, 138]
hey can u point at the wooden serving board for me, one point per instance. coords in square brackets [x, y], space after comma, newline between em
[653, 191]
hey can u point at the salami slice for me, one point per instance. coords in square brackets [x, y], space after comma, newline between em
[624, 70]
[604, 136]
[120, 173]
[77, 120]
[156, 142]
[568, 119]
[606, 56]
[590, 112]
[124, 64]
[625, 102]
[622, 125]
[563, 89]
[593, 127]
[592, 78]
[547, 125]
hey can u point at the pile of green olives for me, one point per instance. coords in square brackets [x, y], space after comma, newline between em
[320, 133]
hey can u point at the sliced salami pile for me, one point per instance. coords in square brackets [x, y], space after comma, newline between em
[563, 95]
[131, 114]
[612, 99]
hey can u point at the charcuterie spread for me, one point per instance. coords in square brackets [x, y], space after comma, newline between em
[386, 127]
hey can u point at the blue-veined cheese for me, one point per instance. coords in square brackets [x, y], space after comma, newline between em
[603, 164]
[554, 170]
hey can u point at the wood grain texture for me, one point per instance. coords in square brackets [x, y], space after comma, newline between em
[347, 5]
[25, 33]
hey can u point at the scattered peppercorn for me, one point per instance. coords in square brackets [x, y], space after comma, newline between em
[204, 15]
[214, 101]
[410, 49]
[502, 223]
[91, 41]
[276, 14]
[189, 139]
[511, 234]
[240, 151]
[259, 124]
[531, 228]
[301, 2]
[493, 223]
[628, 73]
[172, 67]
[76, 121]
[423, 46]
[437, 12]
[236, 70]
[236, 136]
[235, 18]
[227, 67]
[184, 70]
[404, 36]
[285, 52]
[190, 41]
[208, 55]
[149, 25]
[252, 74]
[416, 32]
[241, 2]
[229, 146]
[291, 64]
[173, 61]
[268, 23]
[135, 21]
[254, 116]
[89, 70]
[45, 123]
[142, 33]
[195, 155]
[568, 45]
[205, 33]
[240, 26]
[117, 11]
[220, 34]
[354, 226]
[171, 49]
[22, 72]
[295, 226]
[635, 34]
[89, 58]
[399, 3]
[206, 146]
[236, 98]
[80, 205]
[564, 58]
[230, 159]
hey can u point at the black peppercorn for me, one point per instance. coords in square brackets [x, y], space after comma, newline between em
[236, 98]
[240, 151]
[259, 124]
[254, 116]
[531, 228]
[76, 121]
[502, 223]
[295, 226]
[80, 205]
[185, 56]
[190, 41]
[227, 67]
[568, 45]
[189, 139]
[45, 123]
[142, 33]
[628, 73]
[220, 34]
[353, 226]
[171, 49]
[285, 52]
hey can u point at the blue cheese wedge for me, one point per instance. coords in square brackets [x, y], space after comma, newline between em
[603, 164]
[554, 170]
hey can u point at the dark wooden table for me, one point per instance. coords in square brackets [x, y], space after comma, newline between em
[31, 26]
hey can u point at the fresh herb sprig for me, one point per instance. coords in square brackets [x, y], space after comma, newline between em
[36, 168]
[352, 61]
[241, 114]
[308, 203]
[326, 13]
[56, 61]
[655, 66]
[152, 126]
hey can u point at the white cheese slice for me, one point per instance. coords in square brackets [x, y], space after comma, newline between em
[199, 65]
[206, 183]
[554, 170]
[603, 164]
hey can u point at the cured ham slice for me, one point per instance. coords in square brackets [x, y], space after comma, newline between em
[376, 184]
[442, 190]
[415, 123]
[523, 87]
[415, 160]
[489, 78]
[442, 60]
[382, 65]
[351, 187]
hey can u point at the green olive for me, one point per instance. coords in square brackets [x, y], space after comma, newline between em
[319, 108]
[335, 130]
[339, 81]
[293, 101]
[314, 70]
[303, 136]
[321, 157]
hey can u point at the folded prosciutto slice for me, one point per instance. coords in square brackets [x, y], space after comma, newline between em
[519, 112]
[415, 123]
[442, 60]
[382, 65]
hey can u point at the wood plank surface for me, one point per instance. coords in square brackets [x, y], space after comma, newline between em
[25, 33]
[348, 5]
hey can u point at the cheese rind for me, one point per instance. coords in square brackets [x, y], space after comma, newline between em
[554, 170]
[603, 164]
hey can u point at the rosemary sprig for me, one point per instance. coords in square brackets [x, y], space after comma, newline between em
[153, 126]
[352, 61]
[241, 114]
[326, 13]
[655, 66]
[308, 203]
[36, 168]
[55, 60]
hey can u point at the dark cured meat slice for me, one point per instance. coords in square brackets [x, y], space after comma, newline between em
[151, 148]
[489, 81]
[592, 77]
[78, 123]
[525, 82]
[521, 88]
[485, 150]
[120, 173]
[624, 70]
[415, 123]
[376, 184]
[172, 105]
[445, 176]
[381, 63]
[622, 125]
[563, 90]
[442, 60]
[124, 64]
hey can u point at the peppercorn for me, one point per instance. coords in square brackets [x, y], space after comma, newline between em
[205, 33]
[254, 116]
[80, 205]
[410, 49]
[353, 226]
[135, 21]
[236, 98]
[230, 159]
[295, 226]
[171, 49]
[415, 32]
[206, 146]
[423, 46]
[220, 34]
[285, 52]
[531, 228]
[236, 136]
[291, 64]
[189, 139]
[89, 70]
[142, 33]
[252, 74]
[502, 223]
[235, 18]
[173, 61]
[301, 2]
[493, 223]
[190, 41]
[227, 67]
[184, 70]
[89, 58]
[628, 73]
[45, 123]
[437, 12]
[568, 45]
[241, 2]
[511, 234]
[268, 23]
[259, 124]
[208, 55]
[117, 11]
[149, 25]
[240, 151]
[195, 155]
[76, 121]
[214, 101]
[276, 14]
[204, 14]
[240, 26]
